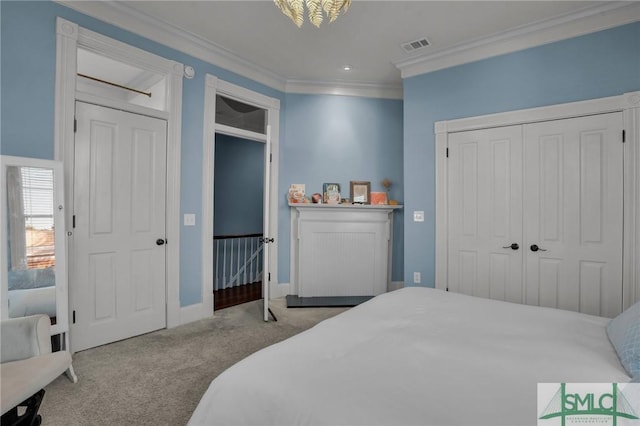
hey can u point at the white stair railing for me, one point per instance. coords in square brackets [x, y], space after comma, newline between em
[237, 260]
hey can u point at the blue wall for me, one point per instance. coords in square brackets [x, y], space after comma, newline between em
[370, 149]
[339, 139]
[238, 188]
[28, 87]
[323, 138]
[602, 64]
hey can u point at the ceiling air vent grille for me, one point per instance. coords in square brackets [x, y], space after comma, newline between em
[411, 46]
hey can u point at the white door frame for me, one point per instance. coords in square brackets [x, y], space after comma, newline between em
[628, 104]
[214, 86]
[70, 36]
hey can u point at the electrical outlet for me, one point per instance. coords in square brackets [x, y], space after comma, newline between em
[189, 219]
[418, 216]
[417, 279]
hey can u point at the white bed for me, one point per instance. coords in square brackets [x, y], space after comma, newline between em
[415, 356]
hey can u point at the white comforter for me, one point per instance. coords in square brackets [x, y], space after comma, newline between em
[415, 356]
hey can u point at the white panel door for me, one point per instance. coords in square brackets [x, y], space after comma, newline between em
[266, 203]
[118, 277]
[485, 213]
[573, 214]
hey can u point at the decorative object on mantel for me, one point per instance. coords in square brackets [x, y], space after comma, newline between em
[331, 193]
[386, 183]
[294, 9]
[360, 192]
[378, 198]
[316, 198]
[296, 193]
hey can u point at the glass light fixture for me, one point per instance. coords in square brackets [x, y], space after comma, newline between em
[294, 9]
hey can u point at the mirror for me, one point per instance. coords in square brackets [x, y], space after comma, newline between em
[34, 279]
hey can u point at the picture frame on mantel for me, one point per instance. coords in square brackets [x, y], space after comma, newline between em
[360, 192]
[379, 199]
[331, 193]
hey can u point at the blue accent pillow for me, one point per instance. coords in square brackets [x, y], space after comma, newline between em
[624, 333]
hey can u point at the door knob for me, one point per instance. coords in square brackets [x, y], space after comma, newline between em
[160, 241]
[534, 247]
[513, 246]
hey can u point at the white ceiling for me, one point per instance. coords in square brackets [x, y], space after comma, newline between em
[368, 37]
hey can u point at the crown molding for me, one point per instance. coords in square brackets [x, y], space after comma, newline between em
[589, 20]
[121, 15]
[368, 90]
[597, 18]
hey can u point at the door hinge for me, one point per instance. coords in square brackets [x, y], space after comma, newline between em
[447, 152]
[624, 136]
[74, 317]
[73, 222]
[75, 125]
[271, 158]
[269, 276]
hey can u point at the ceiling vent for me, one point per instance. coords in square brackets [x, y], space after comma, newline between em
[412, 46]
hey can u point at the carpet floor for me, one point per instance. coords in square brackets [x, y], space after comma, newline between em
[159, 378]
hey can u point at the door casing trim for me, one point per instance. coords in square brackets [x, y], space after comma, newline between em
[214, 86]
[70, 36]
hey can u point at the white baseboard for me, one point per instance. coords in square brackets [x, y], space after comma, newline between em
[283, 289]
[194, 312]
[173, 313]
[279, 290]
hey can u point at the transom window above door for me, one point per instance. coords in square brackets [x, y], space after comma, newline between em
[240, 115]
[109, 78]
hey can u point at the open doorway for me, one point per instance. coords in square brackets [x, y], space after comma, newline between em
[238, 224]
[248, 115]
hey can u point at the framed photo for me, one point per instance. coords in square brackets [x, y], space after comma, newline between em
[360, 192]
[378, 198]
[331, 193]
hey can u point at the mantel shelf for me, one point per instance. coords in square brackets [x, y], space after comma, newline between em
[345, 206]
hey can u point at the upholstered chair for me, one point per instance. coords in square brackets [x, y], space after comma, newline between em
[27, 366]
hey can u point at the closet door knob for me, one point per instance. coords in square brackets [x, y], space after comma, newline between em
[160, 241]
[534, 247]
[513, 246]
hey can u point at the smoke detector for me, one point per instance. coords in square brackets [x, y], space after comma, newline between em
[412, 46]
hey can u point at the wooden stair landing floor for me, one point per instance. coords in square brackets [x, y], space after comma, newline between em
[237, 295]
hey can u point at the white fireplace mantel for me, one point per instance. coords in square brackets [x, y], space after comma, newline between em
[340, 249]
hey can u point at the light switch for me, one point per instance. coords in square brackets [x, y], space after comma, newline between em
[189, 219]
[418, 216]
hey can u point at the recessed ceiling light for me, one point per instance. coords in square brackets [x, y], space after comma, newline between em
[347, 67]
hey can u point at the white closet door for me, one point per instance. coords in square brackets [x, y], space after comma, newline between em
[485, 213]
[573, 213]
